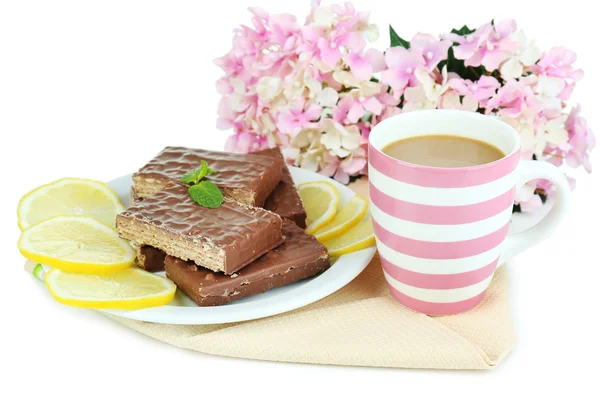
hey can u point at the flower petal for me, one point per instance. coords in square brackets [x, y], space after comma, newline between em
[351, 142]
[530, 55]
[342, 177]
[395, 56]
[356, 112]
[512, 68]
[327, 97]
[353, 165]
[376, 59]
[331, 140]
[268, 87]
[372, 105]
[493, 59]
[360, 67]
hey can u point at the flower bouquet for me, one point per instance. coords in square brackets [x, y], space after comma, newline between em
[316, 89]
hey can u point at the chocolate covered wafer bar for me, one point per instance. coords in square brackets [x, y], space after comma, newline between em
[150, 258]
[248, 178]
[222, 239]
[299, 257]
[285, 200]
[133, 196]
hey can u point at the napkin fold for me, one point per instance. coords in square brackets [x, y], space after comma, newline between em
[360, 325]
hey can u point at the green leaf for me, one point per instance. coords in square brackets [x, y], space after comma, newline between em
[191, 176]
[464, 31]
[396, 40]
[207, 194]
[458, 66]
[196, 175]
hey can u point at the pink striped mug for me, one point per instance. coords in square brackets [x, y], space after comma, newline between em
[441, 232]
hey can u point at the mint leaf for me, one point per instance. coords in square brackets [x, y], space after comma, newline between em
[196, 175]
[191, 176]
[207, 194]
[396, 40]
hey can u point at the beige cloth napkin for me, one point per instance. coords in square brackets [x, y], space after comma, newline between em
[360, 325]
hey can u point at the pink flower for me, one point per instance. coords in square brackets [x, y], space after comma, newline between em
[329, 48]
[356, 107]
[489, 45]
[308, 88]
[469, 45]
[390, 110]
[512, 98]
[581, 141]
[402, 64]
[451, 100]
[550, 133]
[482, 90]
[282, 27]
[525, 55]
[558, 62]
[432, 49]
[533, 203]
[329, 51]
[342, 169]
[362, 67]
[340, 112]
[245, 142]
[499, 45]
[527, 197]
[293, 119]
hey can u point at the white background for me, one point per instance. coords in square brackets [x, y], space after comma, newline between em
[95, 88]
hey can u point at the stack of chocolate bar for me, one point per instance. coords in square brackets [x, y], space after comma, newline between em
[253, 242]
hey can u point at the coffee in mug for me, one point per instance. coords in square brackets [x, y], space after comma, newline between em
[443, 151]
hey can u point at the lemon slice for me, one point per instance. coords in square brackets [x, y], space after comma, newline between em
[349, 215]
[359, 237]
[125, 290]
[69, 196]
[76, 244]
[321, 200]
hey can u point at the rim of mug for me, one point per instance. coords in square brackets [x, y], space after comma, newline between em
[436, 113]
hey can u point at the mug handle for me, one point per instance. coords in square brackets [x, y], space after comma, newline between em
[527, 171]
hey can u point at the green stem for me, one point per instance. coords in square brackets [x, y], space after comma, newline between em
[475, 72]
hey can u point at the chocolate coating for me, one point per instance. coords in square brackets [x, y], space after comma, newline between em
[133, 196]
[150, 258]
[299, 257]
[248, 178]
[225, 238]
[285, 199]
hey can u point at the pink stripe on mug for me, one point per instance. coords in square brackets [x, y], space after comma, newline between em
[476, 199]
[440, 215]
[440, 250]
[433, 308]
[438, 281]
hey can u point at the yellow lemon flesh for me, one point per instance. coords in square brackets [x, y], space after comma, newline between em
[347, 217]
[321, 200]
[125, 290]
[359, 237]
[69, 196]
[76, 244]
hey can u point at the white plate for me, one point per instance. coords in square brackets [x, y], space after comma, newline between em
[276, 301]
